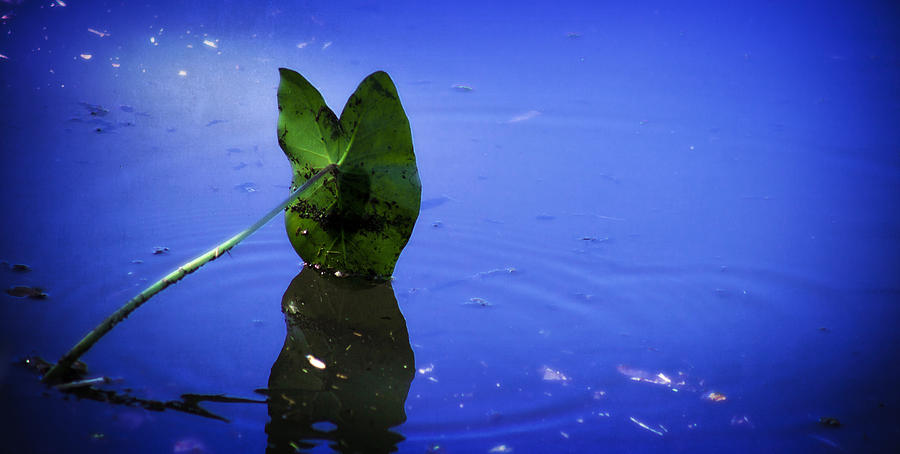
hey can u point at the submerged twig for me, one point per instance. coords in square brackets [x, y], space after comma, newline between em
[120, 314]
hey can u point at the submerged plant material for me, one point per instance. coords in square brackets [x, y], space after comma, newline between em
[20, 267]
[21, 291]
[357, 219]
[75, 384]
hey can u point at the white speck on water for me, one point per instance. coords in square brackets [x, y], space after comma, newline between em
[549, 374]
[644, 426]
[102, 34]
[524, 116]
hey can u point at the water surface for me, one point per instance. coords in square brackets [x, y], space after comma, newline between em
[648, 228]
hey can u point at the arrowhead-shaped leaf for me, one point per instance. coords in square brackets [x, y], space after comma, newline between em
[357, 219]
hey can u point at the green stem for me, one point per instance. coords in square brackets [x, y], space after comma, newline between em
[120, 314]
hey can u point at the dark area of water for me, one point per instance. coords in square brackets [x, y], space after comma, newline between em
[644, 228]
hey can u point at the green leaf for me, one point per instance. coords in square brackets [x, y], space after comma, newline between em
[357, 219]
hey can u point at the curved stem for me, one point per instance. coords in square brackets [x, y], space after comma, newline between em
[120, 314]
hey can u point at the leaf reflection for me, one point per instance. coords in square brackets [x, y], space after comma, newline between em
[346, 360]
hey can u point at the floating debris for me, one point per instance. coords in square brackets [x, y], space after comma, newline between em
[573, 35]
[102, 34]
[525, 116]
[829, 422]
[326, 45]
[246, 187]
[159, 250]
[20, 268]
[493, 272]
[21, 291]
[434, 202]
[182, 73]
[741, 421]
[549, 374]
[86, 56]
[715, 397]
[302, 45]
[315, 362]
[476, 301]
[95, 110]
[3, 57]
[215, 122]
[501, 448]
[126, 108]
[60, 3]
[676, 384]
[462, 88]
[642, 425]
[209, 43]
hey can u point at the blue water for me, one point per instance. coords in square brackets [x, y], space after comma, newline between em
[629, 213]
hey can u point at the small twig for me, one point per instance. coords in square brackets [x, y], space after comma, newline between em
[106, 325]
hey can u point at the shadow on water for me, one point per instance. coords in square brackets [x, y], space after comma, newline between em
[346, 364]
